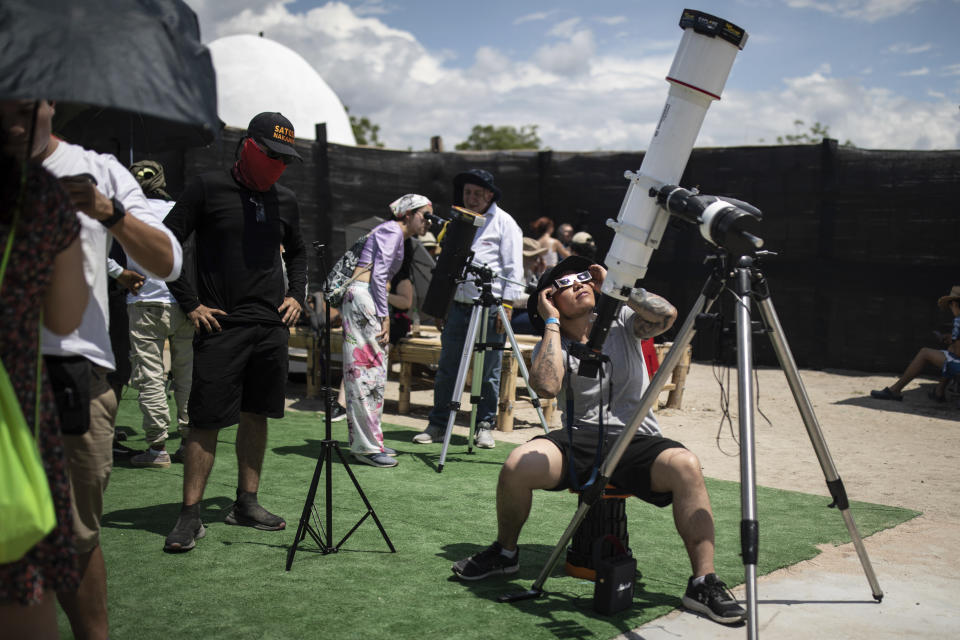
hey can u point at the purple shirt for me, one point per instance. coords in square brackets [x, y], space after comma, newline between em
[383, 251]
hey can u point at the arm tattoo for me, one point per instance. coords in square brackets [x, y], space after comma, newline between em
[654, 315]
[544, 372]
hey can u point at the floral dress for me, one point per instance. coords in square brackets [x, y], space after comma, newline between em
[364, 369]
[47, 225]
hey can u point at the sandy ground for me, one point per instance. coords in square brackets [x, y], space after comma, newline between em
[894, 453]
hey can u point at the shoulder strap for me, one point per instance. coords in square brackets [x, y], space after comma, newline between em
[569, 420]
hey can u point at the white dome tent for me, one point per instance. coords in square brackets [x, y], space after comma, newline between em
[248, 83]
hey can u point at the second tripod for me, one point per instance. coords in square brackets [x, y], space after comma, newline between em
[323, 535]
[476, 344]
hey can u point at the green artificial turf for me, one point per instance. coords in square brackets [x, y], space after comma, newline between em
[234, 584]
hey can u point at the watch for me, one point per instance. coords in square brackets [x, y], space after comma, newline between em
[118, 213]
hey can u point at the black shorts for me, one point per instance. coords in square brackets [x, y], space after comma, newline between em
[242, 368]
[632, 473]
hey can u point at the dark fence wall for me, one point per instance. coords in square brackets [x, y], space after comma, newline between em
[866, 240]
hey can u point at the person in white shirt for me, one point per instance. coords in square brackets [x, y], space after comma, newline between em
[155, 316]
[110, 206]
[498, 244]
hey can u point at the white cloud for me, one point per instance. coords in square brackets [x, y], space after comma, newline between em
[568, 58]
[611, 20]
[581, 98]
[565, 29]
[534, 17]
[922, 71]
[951, 70]
[869, 117]
[910, 49]
[866, 10]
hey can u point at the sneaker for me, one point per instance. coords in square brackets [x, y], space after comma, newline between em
[932, 394]
[247, 512]
[712, 598]
[487, 563]
[886, 394]
[186, 532]
[429, 435]
[378, 459]
[484, 437]
[152, 459]
[388, 451]
[338, 413]
[177, 456]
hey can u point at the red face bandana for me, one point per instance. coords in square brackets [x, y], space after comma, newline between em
[255, 169]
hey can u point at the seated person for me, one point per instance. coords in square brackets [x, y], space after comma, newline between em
[946, 361]
[533, 268]
[653, 468]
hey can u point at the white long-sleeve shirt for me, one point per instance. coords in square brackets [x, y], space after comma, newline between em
[499, 245]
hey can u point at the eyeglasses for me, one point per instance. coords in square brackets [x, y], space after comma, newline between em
[565, 281]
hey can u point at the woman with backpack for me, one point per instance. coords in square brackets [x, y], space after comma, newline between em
[366, 326]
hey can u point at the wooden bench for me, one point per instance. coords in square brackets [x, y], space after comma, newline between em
[424, 349]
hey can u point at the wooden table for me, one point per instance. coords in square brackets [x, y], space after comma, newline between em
[424, 348]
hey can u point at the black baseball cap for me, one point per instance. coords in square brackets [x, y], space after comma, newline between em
[274, 131]
[570, 264]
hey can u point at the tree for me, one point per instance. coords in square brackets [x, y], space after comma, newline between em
[366, 132]
[815, 135]
[484, 137]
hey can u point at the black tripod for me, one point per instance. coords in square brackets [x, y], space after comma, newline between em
[748, 283]
[477, 344]
[328, 446]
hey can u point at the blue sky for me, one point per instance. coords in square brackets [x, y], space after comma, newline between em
[881, 73]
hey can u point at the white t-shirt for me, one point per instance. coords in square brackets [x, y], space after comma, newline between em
[626, 374]
[92, 338]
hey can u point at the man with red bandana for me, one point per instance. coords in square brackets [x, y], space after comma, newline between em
[241, 312]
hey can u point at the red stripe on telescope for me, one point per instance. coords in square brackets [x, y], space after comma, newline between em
[690, 86]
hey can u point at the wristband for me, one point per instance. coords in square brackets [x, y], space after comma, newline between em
[507, 306]
[118, 213]
[550, 321]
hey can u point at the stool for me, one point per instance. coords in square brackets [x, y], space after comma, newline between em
[608, 515]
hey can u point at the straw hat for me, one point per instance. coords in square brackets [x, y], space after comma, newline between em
[944, 301]
[532, 248]
[428, 240]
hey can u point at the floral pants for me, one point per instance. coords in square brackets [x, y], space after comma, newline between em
[364, 369]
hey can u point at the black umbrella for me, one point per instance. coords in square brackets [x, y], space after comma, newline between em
[135, 69]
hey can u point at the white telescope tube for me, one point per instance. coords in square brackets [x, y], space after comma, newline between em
[697, 76]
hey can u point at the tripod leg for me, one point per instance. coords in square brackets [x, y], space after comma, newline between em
[363, 496]
[749, 527]
[710, 292]
[534, 398]
[834, 483]
[476, 383]
[304, 527]
[458, 384]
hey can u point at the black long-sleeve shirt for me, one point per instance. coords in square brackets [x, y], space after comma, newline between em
[238, 236]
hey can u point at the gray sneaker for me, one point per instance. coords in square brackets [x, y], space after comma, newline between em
[151, 459]
[484, 437]
[429, 435]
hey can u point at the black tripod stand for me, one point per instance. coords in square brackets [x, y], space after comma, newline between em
[748, 283]
[328, 446]
[477, 344]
